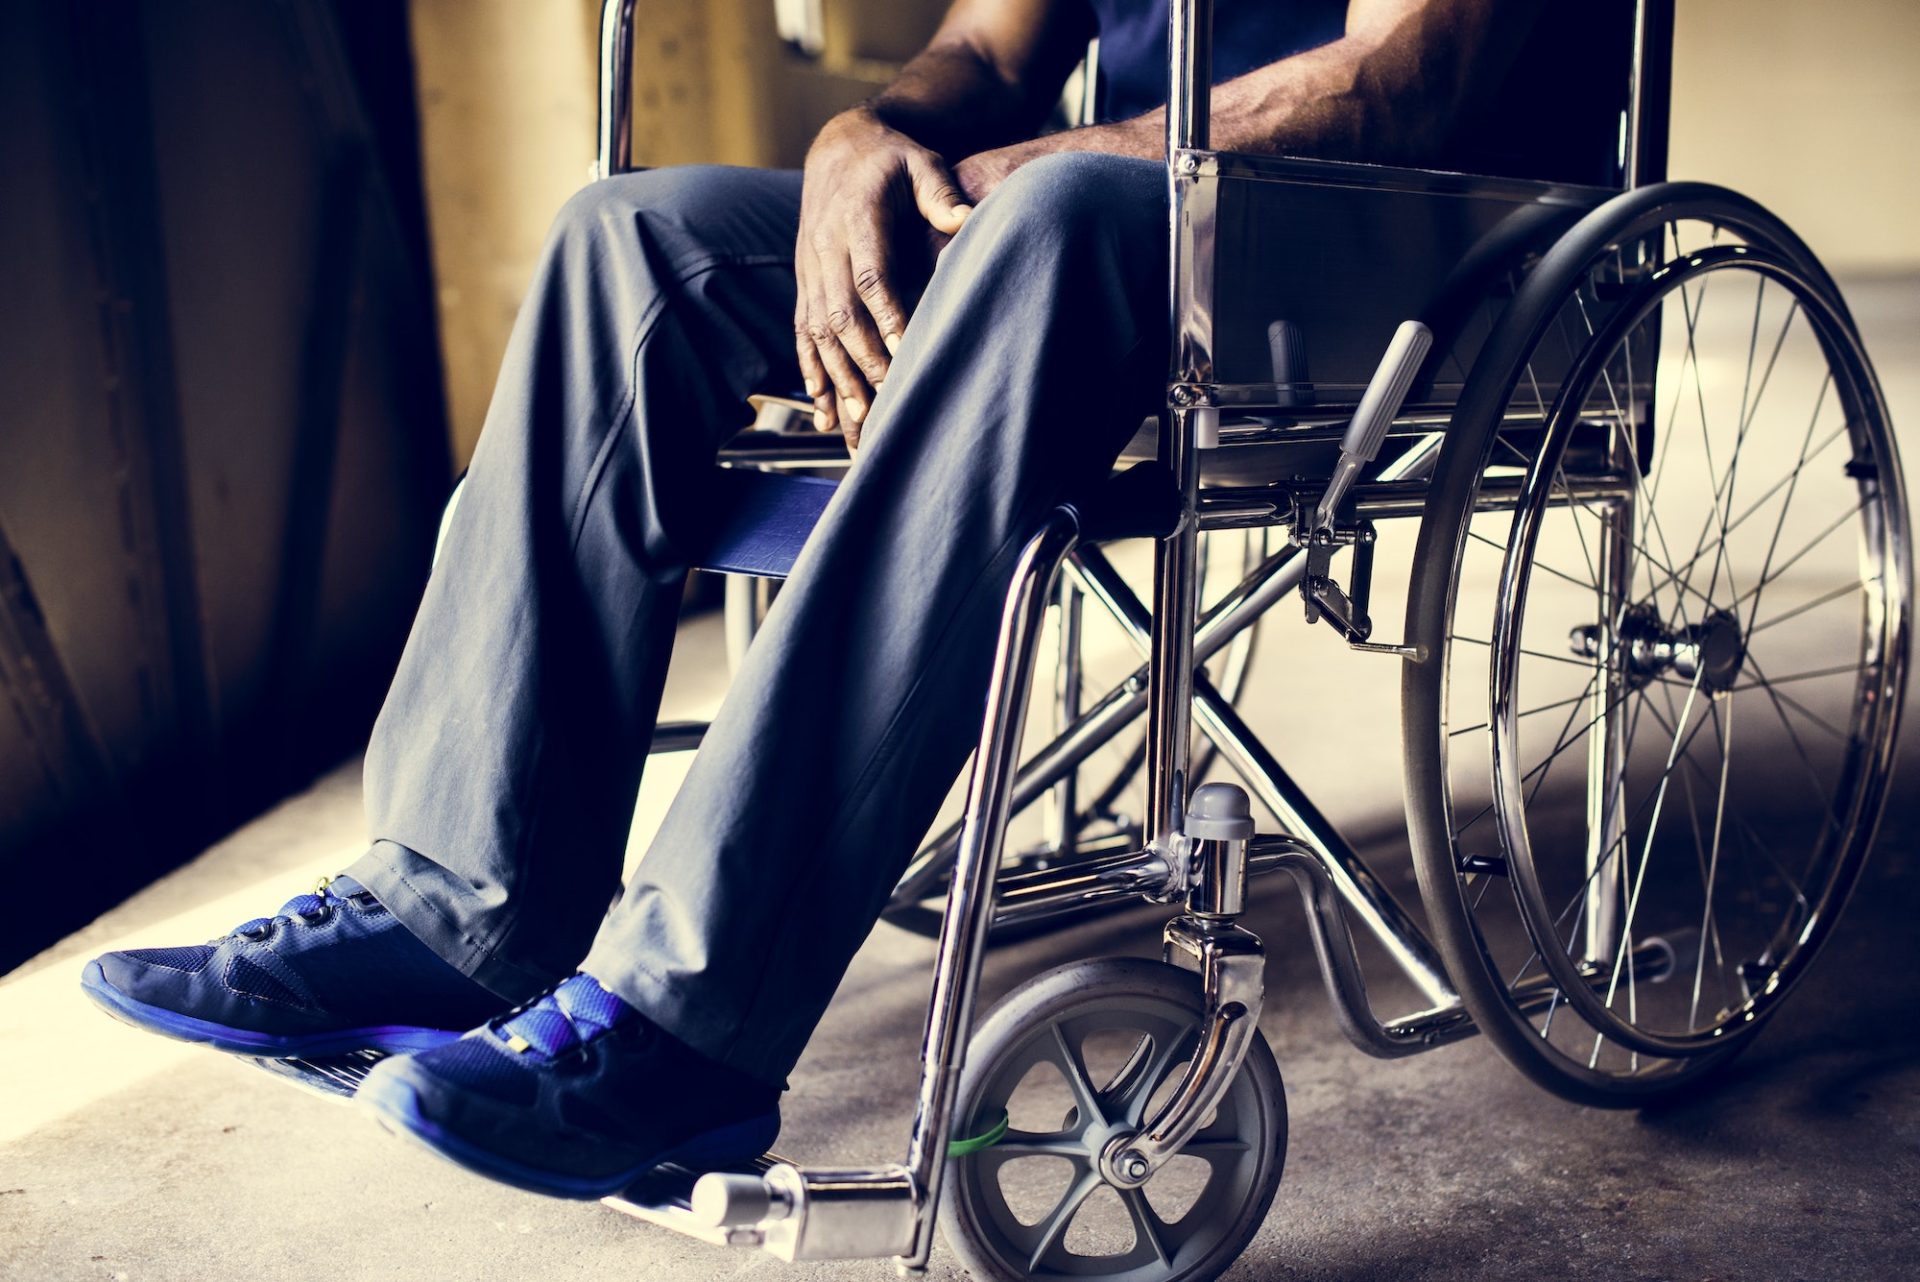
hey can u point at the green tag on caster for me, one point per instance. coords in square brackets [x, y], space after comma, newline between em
[961, 1148]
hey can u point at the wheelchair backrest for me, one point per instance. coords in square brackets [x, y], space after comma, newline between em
[1565, 112]
[1310, 265]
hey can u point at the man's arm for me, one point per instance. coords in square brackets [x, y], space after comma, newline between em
[1389, 90]
[987, 78]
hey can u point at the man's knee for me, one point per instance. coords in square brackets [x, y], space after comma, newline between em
[624, 204]
[685, 209]
[1066, 197]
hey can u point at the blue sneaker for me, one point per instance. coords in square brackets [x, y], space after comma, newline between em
[575, 1095]
[333, 972]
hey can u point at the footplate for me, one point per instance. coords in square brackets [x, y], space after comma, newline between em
[332, 1076]
[664, 1197]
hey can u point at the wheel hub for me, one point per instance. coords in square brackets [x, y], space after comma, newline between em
[1713, 650]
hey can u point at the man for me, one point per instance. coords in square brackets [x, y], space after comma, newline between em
[986, 333]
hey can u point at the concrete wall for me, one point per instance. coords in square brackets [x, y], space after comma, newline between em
[1812, 109]
[1779, 98]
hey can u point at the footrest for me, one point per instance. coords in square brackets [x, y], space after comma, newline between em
[335, 1076]
[664, 1196]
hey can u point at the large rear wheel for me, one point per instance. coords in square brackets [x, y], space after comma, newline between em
[1662, 593]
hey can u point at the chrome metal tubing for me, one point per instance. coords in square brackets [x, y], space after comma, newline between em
[1358, 888]
[1170, 660]
[1636, 96]
[614, 154]
[1118, 708]
[748, 597]
[677, 736]
[1323, 897]
[1063, 802]
[1035, 896]
[1107, 718]
[1232, 969]
[1189, 73]
[970, 897]
[1376, 907]
[1347, 986]
[1232, 615]
[1250, 506]
[1607, 740]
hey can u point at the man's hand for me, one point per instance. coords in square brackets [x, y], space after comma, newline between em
[862, 180]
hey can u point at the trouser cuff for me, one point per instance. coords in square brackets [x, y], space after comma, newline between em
[415, 890]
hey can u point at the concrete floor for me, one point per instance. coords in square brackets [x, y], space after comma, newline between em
[124, 1156]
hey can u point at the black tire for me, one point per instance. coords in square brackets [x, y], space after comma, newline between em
[1651, 1063]
[1243, 1149]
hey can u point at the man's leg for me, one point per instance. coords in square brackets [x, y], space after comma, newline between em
[501, 777]
[1024, 371]
[502, 772]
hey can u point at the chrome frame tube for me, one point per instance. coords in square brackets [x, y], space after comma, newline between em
[1189, 74]
[1252, 506]
[969, 911]
[1063, 801]
[614, 153]
[1347, 987]
[1190, 217]
[1636, 95]
[1363, 893]
[1115, 711]
[1239, 610]
[1170, 660]
[1359, 890]
[1607, 740]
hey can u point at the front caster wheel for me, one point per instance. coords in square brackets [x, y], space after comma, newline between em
[1067, 1060]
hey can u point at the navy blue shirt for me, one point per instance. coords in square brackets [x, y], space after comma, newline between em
[1246, 34]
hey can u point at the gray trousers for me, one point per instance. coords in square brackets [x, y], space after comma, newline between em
[502, 773]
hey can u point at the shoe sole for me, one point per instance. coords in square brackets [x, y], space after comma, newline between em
[396, 1106]
[391, 1038]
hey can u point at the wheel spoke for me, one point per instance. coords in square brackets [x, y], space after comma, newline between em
[1742, 825]
[1620, 843]
[1818, 720]
[1811, 544]
[1742, 519]
[1773, 543]
[1048, 1239]
[1765, 682]
[1696, 608]
[1074, 1069]
[1530, 712]
[1707, 921]
[1845, 589]
[1558, 574]
[1148, 1228]
[1745, 425]
[1216, 1152]
[1138, 1081]
[1582, 664]
[1035, 1144]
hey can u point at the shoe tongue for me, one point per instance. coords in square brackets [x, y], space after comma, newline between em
[577, 1011]
[346, 887]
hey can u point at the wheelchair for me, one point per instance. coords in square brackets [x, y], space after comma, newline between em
[1611, 586]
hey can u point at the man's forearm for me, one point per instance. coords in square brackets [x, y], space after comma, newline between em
[1389, 92]
[951, 100]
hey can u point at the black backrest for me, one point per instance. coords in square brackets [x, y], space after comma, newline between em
[1561, 112]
